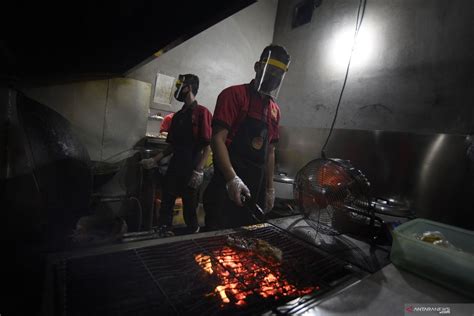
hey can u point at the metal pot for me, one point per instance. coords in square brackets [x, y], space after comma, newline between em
[283, 186]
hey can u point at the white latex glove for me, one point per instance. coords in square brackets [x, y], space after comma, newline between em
[269, 200]
[236, 188]
[196, 179]
[149, 163]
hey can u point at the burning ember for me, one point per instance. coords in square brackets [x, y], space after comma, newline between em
[243, 275]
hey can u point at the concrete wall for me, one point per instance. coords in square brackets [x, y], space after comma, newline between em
[221, 56]
[412, 69]
[108, 116]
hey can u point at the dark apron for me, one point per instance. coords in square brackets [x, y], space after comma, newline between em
[248, 155]
[182, 163]
[181, 166]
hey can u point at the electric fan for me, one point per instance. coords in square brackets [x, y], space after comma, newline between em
[333, 198]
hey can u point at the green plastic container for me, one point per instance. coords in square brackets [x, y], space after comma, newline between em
[449, 267]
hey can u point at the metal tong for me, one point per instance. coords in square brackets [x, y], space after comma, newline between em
[255, 210]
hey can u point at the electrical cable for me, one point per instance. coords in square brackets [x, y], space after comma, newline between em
[360, 17]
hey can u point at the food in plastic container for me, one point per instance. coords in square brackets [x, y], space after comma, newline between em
[439, 252]
[435, 238]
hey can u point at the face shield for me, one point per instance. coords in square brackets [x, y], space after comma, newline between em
[270, 76]
[178, 94]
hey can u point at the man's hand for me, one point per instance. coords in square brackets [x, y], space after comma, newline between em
[149, 163]
[236, 188]
[196, 179]
[269, 199]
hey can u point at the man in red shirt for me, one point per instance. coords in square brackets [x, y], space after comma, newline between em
[165, 125]
[245, 131]
[189, 137]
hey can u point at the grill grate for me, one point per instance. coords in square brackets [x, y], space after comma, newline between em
[165, 279]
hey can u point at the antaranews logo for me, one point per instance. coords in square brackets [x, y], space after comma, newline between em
[442, 310]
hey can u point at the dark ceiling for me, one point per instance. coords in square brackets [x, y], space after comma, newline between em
[96, 38]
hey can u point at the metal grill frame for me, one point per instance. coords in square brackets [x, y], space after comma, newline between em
[57, 294]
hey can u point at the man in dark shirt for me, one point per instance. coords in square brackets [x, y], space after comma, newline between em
[245, 131]
[189, 137]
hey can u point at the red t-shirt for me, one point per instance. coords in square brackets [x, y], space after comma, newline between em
[231, 103]
[201, 121]
[165, 125]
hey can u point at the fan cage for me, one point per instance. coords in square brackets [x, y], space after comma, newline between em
[329, 194]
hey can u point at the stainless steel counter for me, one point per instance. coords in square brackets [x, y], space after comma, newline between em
[385, 293]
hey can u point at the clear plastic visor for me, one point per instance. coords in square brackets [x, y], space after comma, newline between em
[270, 79]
